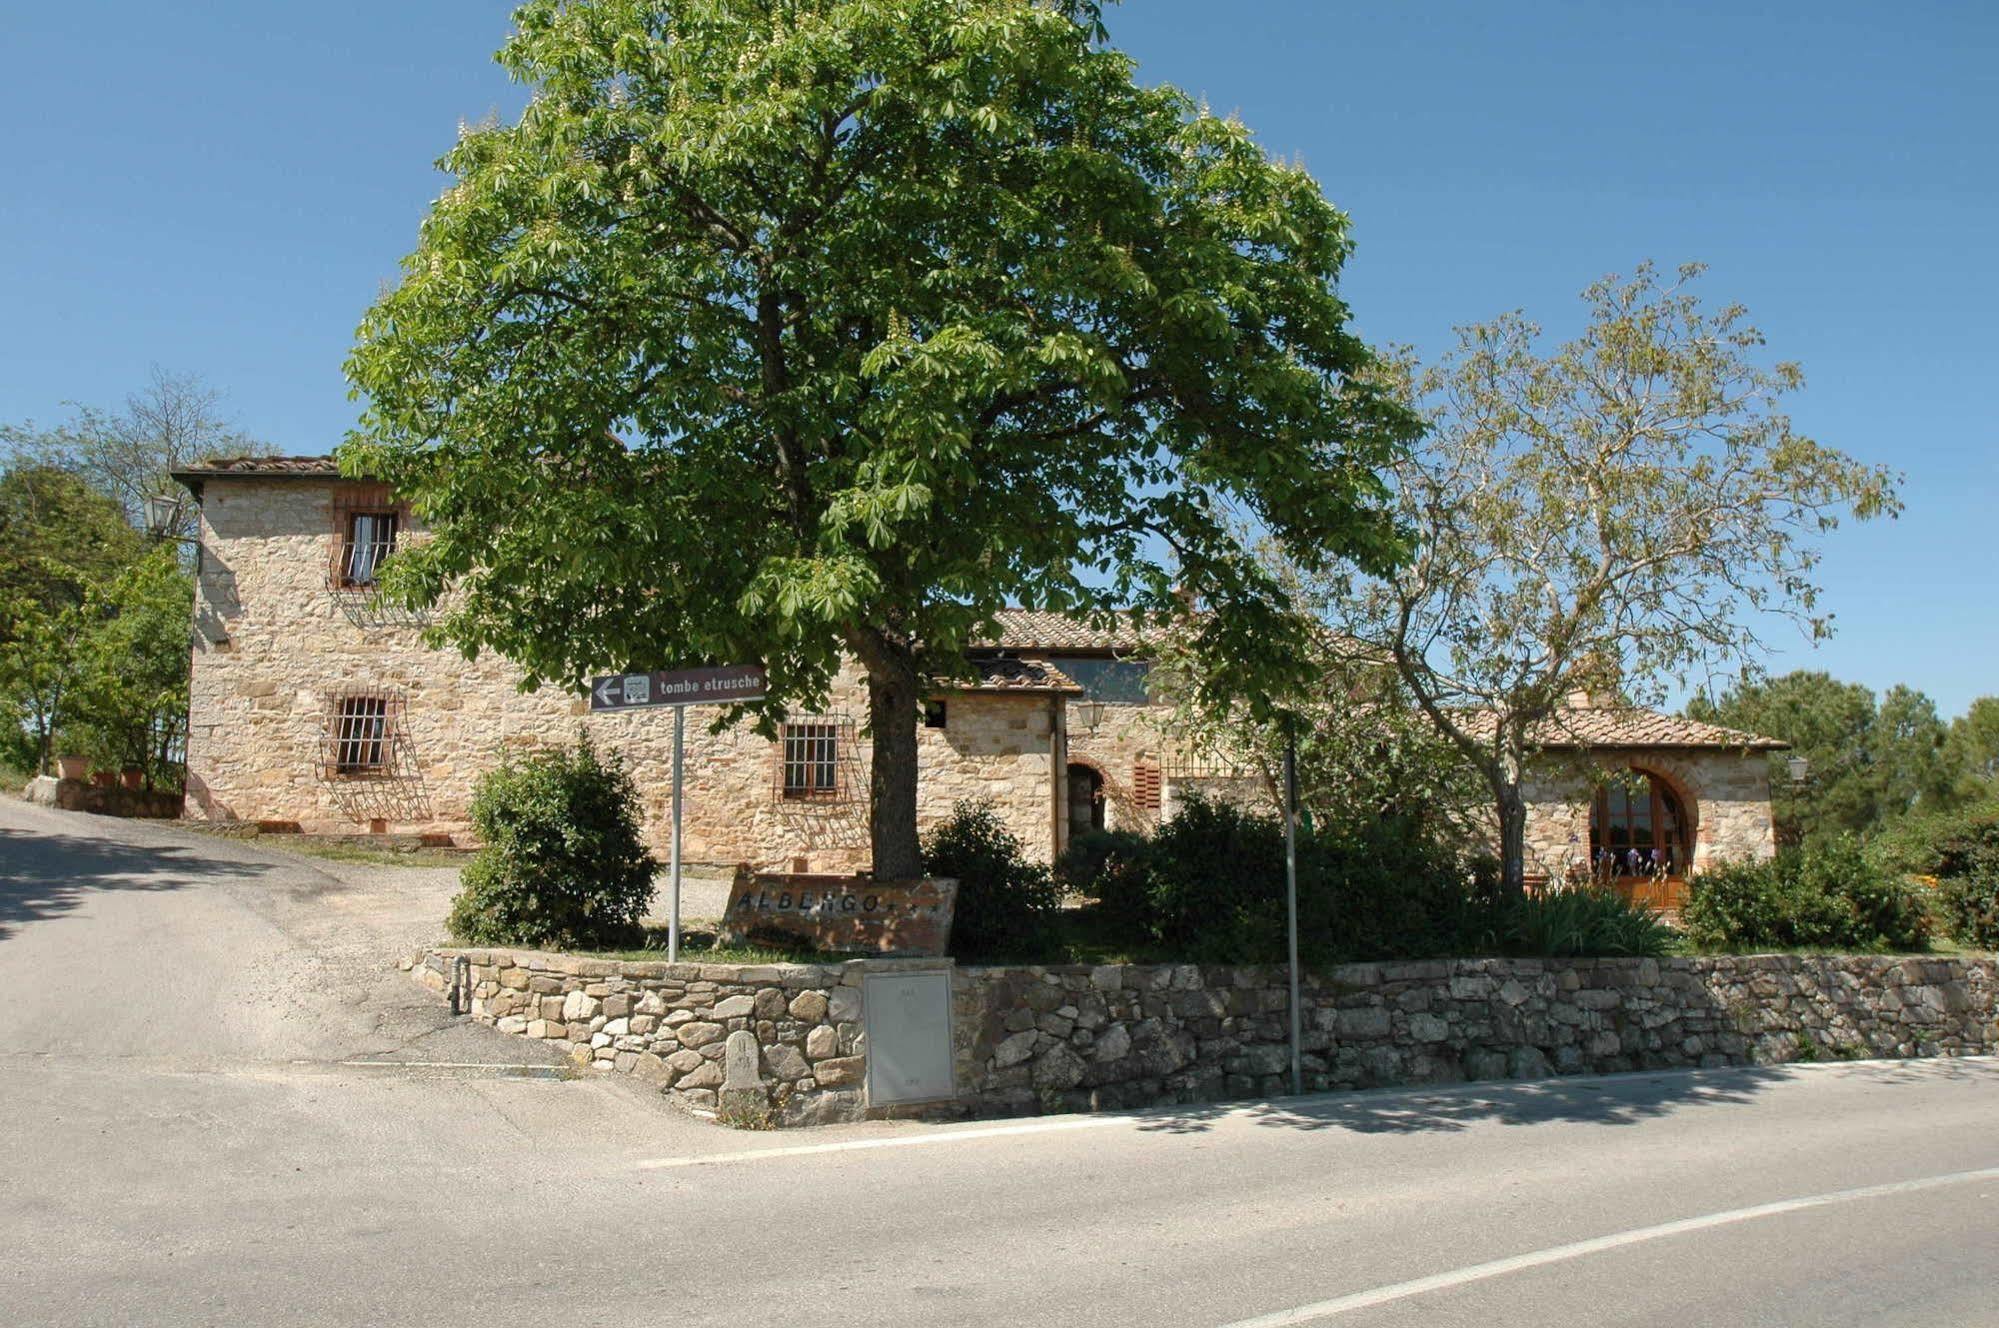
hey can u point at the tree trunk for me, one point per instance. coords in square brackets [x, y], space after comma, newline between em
[1512, 842]
[1512, 809]
[892, 708]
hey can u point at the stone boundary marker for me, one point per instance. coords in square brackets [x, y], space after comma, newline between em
[842, 914]
[1083, 1038]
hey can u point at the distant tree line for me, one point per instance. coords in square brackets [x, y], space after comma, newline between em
[1871, 762]
[95, 610]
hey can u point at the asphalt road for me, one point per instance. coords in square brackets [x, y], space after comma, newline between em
[191, 1141]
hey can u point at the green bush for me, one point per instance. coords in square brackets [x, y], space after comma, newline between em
[1008, 904]
[1822, 896]
[1955, 843]
[1209, 887]
[561, 863]
[1960, 849]
[1572, 923]
[1970, 909]
[1113, 867]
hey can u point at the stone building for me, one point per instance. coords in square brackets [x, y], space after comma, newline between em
[312, 707]
[1644, 800]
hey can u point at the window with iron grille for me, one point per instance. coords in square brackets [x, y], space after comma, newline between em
[361, 734]
[369, 539]
[367, 520]
[811, 760]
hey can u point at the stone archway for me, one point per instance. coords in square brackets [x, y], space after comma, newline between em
[1086, 799]
[1642, 832]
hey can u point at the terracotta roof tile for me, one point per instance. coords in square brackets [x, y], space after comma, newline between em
[1628, 726]
[1012, 673]
[1036, 629]
[260, 465]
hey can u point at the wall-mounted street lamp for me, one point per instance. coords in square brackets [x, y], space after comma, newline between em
[1800, 769]
[1089, 714]
[162, 514]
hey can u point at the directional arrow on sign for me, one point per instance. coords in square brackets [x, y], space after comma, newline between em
[678, 687]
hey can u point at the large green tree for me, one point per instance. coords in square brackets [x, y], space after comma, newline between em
[60, 539]
[1615, 514]
[777, 330]
[1974, 746]
[1830, 724]
[1867, 761]
[130, 665]
[1913, 762]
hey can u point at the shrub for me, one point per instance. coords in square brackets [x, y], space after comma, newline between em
[1961, 850]
[1113, 867]
[1008, 904]
[1571, 923]
[1955, 843]
[562, 864]
[1213, 890]
[1824, 895]
[1970, 909]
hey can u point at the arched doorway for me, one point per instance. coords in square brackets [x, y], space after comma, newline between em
[1086, 800]
[1641, 838]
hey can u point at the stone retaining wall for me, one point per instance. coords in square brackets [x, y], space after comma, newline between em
[1082, 1038]
[670, 1024]
[1078, 1038]
[75, 795]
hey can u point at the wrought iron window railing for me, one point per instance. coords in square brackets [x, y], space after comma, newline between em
[815, 760]
[364, 737]
[367, 541]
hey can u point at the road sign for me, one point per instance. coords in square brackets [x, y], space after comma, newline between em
[677, 687]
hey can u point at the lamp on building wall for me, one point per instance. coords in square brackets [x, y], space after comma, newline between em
[162, 514]
[1089, 714]
[1800, 769]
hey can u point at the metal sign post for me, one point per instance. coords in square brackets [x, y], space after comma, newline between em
[1291, 895]
[680, 689]
[679, 782]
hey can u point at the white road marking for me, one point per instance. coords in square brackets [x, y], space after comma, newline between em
[507, 1069]
[1255, 1110]
[1382, 1295]
[901, 1141]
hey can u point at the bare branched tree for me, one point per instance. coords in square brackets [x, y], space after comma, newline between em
[1618, 515]
[175, 420]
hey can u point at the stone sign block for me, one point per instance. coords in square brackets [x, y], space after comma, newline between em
[841, 914]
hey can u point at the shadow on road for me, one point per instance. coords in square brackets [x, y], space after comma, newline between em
[47, 875]
[1620, 1101]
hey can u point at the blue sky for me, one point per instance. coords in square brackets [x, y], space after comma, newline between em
[222, 188]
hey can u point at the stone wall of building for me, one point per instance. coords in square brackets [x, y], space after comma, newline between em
[1128, 741]
[1086, 1038]
[1727, 793]
[275, 648]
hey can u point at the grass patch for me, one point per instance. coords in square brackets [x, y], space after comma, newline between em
[1939, 948]
[372, 851]
[416, 855]
[12, 780]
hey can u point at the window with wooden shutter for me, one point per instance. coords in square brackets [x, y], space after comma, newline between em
[366, 524]
[1146, 787]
